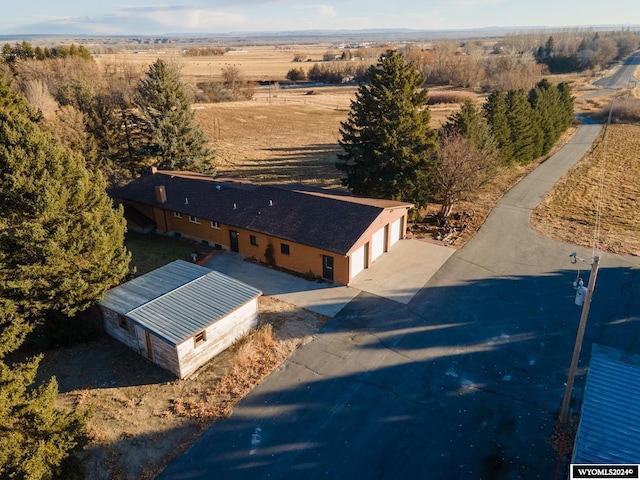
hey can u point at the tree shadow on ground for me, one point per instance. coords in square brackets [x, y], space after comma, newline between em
[464, 382]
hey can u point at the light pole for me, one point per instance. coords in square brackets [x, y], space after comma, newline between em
[564, 410]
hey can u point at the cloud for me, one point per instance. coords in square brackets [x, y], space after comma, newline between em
[326, 11]
[141, 21]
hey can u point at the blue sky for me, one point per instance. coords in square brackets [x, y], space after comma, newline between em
[153, 17]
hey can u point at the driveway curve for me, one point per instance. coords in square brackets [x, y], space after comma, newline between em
[461, 383]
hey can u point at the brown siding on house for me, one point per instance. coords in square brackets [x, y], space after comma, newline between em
[219, 336]
[387, 217]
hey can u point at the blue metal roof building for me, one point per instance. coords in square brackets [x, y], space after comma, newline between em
[609, 429]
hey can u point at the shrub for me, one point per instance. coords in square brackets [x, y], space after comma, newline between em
[449, 97]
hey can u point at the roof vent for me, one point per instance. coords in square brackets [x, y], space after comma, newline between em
[271, 203]
[235, 206]
[186, 201]
[218, 188]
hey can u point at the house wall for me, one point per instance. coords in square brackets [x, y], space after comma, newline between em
[219, 336]
[302, 258]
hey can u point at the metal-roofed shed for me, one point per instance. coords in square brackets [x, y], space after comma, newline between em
[180, 315]
[609, 429]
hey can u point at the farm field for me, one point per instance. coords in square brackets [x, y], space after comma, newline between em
[570, 211]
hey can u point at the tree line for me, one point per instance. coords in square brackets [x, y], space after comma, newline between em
[25, 51]
[390, 150]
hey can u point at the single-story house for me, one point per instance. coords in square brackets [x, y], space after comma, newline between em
[330, 235]
[609, 428]
[180, 315]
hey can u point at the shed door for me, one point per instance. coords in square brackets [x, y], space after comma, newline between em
[396, 231]
[149, 345]
[359, 260]
[378, 242]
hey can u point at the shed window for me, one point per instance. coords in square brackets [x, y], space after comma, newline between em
[284, 249]
[254, 240]
[215, 224]
[194, 219]
[200, 338]
[123, 322]
[177, 214]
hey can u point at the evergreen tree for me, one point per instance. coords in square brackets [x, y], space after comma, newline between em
[566, 102]
[61, 240]
[174, 140]
[523, 129]
[471, 124]
[387, 140]
[495, 111]
[38, 440]
[545, 101]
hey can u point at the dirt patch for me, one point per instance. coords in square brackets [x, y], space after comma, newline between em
[603, 186]
[143, 417]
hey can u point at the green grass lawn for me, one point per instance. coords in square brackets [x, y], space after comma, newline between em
[151, 251]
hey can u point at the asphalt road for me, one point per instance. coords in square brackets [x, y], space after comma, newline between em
[461, 383]
[624, 76]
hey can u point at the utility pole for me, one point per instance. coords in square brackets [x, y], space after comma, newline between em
[564, 410]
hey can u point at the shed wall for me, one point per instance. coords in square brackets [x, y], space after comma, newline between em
[220, 335]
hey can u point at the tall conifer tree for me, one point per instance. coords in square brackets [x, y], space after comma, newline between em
[174, 140]
[387, 139]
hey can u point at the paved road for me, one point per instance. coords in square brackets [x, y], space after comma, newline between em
[624, 76]
[460, 383]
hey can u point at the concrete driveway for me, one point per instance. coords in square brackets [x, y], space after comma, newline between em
[398, 275]
[460, 383]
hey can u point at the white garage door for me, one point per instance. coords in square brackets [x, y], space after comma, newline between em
[358, 260]
[378, 241]
[396, 231]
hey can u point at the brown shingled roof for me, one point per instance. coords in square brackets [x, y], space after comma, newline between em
[326, 220]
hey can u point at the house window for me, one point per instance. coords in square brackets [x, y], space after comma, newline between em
[284, 249]
[194, 219]
[200, 338]
[215, 225]
[177, 214]
[123, 322]
[254, 240]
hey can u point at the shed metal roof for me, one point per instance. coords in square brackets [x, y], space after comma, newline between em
[178, 300]
[609, 429]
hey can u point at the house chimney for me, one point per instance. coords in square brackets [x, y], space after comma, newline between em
[161, 194]
[154, 170]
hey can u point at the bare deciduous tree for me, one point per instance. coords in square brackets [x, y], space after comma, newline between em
[461, 169]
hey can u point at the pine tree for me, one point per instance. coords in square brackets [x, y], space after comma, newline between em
[523, 129]
[495, 111]
[471, 124]
[566, 101]
[61, 240]
[545, 101]
[174, 140]
[38, 440]
[387, 140]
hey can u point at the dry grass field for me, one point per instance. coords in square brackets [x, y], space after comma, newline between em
[607, 179]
